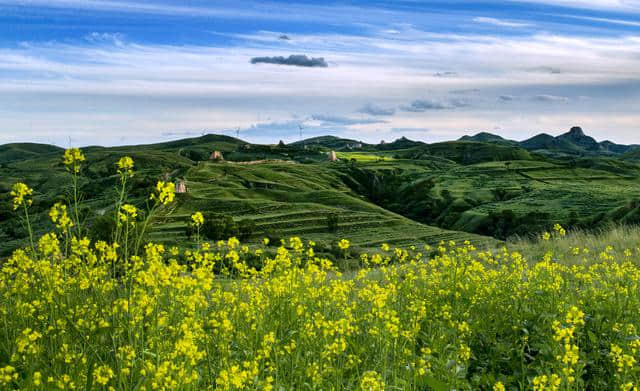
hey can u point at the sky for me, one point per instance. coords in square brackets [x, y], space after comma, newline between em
[116, 72]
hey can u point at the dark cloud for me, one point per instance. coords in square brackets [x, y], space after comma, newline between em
[335, 120]
[550, 98]
[465, 91]
[421, 105]
[373, 109]
[299, 60]
[459, 103]
[284, 37]
[506, 98]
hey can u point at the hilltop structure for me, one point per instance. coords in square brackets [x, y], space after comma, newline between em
[332, 156]
[181, 186]
[216, 155]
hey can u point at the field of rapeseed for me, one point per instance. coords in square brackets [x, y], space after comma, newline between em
[78, 314]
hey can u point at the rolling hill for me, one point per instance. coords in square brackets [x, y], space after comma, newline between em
[403, 193]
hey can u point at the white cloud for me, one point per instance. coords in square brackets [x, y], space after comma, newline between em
[500, 22]
[141, 91]
[613, 5]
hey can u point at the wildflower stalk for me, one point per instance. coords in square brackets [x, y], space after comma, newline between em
[125, 169]
[72, 160]
[76, 204]
[164, 195]
[26, 215]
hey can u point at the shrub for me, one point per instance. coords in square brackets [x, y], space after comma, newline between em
[102, 227]
[219, 227]
[246, 228]
[332, 222]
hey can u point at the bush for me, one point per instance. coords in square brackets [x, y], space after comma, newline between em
[103, 227]
[219, 227]
[246, 229]
[332, 222]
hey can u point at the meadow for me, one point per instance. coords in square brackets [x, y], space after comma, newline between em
[558, 312]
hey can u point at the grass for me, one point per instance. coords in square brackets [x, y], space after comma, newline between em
[365, 157]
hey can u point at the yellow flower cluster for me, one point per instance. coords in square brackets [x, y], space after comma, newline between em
[103, 374]
[547, 383]
[59, 217]
[197, 219]
[72, 158]
[371, 381]
[165, 192]
[125, 166]
[343, 244]
[20, 194]
[128, 214]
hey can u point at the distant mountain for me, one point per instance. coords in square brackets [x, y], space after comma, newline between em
[24, 151]
[548, 142]
[484, 137]
[618, 148]
[577, 137]
[468, 152]
[331, 142]
[401, 143]
[574, 142]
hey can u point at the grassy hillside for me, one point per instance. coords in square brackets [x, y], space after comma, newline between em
[290, 199]
[24, 151]
[468, 152]
[282, 196]
[411, 195]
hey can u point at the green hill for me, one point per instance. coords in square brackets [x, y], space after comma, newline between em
[24, 151]
[484, 137]
[329, 142]
[403, 193]
[468, 152]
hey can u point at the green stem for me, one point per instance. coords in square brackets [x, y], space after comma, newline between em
[121, 199]
[75, 203]
[26, 214]
[144, 228]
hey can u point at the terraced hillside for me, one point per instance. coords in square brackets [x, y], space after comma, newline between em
[293, 199]
[505, 198]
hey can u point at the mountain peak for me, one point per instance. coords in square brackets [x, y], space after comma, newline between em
[576, 131]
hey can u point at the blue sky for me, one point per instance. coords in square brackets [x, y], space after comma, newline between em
[85, 72]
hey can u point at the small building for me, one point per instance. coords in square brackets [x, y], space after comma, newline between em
[181, 186]
[382, 142]
[216, 155]
[332, 156]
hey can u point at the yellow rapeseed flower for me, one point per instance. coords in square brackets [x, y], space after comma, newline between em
[343, 244]
[371, 381]
[128, 214]
[103, 374]
[59, 217]
[20, 193]
[125, 166]
[165, 192]
[198, 219]
[72, 158]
